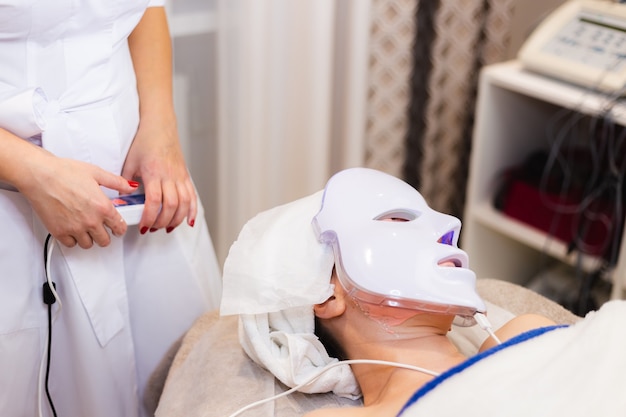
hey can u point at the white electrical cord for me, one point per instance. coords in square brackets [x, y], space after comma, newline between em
[56, 314]
[326, 368]
[484, 324]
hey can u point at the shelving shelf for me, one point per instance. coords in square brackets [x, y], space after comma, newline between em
[490, 217]
[514, 109]
[510, 75]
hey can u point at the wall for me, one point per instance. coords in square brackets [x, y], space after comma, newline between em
[528, 14]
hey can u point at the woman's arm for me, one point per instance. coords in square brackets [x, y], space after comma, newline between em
[155, 155]
[64, 193]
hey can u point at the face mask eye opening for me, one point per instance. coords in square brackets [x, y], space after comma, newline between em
[447, 239]
[397, 216]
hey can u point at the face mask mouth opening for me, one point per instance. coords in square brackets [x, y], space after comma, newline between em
[446, 263]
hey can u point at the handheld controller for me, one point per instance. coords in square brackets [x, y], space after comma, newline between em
[130, 207]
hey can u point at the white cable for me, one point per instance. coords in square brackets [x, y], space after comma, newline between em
[56, 314]
[49, 279]
[326, 368]
[481, 319]
[484, 324]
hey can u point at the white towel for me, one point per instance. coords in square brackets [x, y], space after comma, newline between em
[284, 344]
[274, 273]
[277, 262]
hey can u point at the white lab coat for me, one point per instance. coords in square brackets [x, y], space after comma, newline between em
[67, 83]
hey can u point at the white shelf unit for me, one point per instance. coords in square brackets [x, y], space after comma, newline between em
[513, 111]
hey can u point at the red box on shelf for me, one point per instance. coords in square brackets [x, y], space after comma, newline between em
[556, 216]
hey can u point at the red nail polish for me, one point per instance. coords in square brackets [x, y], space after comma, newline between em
[143, 230]
[133, 184]
[169, 229]
[192, 222]
[154, 229]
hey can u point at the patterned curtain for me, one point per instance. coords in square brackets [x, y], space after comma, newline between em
[453, 40]
[392, 32]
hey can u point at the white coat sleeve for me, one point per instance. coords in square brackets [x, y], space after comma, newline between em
[21, 112]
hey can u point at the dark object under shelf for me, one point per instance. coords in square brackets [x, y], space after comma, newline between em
[590, 228]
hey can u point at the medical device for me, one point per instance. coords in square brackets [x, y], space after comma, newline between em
[583, 42]
[130, 207]
[391, 248]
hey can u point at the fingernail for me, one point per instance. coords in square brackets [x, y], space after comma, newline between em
[152, 230]
[192, 222]
[169, 229]
[143, 230]
[133, 184]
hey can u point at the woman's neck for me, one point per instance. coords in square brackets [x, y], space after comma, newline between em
[420, 341]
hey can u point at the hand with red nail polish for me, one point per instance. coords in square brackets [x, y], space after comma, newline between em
[156, 157]
[67, 197]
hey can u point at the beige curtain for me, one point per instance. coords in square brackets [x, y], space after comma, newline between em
[291, 87]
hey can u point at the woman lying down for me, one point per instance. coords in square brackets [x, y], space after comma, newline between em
[367, 273]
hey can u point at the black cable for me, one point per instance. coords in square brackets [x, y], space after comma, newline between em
[602, 181]
[54, 413]
[49, 299]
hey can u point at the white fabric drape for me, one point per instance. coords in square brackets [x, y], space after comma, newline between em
[277, 96]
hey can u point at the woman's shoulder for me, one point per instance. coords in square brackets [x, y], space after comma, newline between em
[516, 326]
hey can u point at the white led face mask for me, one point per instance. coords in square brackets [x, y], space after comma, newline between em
[389, 246]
